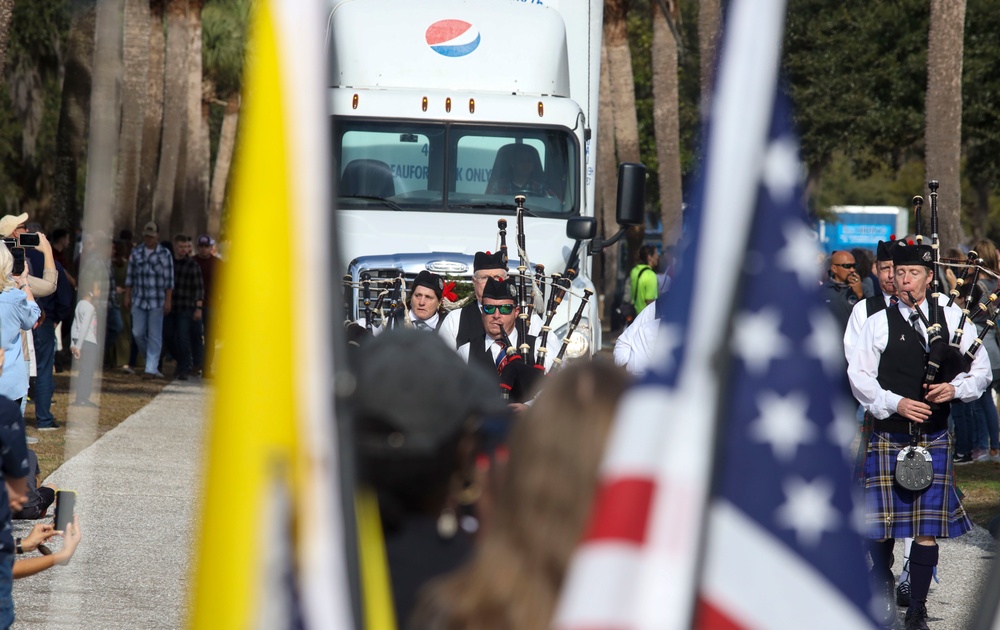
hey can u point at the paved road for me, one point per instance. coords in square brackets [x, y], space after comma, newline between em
[137, 498]
[137, 503]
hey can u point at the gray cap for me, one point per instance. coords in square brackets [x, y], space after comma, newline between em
[414, 393]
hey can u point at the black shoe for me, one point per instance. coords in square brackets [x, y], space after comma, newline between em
[182, 377]
[916, 616]
[903, 594]
[51, 427]
[886, 610]
[963, 459]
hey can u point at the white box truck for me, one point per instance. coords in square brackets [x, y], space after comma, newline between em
[434, 103]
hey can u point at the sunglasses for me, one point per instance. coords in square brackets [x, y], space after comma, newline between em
[845, 265]
[505, 309]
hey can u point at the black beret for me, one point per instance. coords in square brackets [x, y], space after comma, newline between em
[913, 255]
[500, 290]
[430, 280]
[884, 250]
[486, 260]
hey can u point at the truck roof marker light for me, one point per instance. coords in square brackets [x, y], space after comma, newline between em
[447, 104]
[541, 109]
[354, 102]
[472, 106]
[423, 104]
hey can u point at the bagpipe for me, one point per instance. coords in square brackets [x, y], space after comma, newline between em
[536, 291]
[945, 359]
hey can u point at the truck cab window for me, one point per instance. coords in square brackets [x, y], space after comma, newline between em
[454, 167]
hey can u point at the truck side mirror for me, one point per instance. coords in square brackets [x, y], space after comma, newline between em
[631, 204]
[631, 194]
[581, 228]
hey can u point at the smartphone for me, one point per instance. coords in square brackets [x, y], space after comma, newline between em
[65, 504]
[18, 254]
[28, 239]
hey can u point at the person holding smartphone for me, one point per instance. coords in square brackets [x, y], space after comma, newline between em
[18, 312]
[40, 534]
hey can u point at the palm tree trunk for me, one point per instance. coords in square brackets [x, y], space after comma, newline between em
[194, 212]
[709, 18]
[174, 112]
[134, 96]
[666, 120]
[74, 111]
[623, 97]
[6, 13]
[607, 189]
[152, 123]
[223, 161]
[943, 141]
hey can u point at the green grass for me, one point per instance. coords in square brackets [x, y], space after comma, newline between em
[980, 485]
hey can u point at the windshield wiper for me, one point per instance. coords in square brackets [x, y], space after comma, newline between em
[493, 204]
[388, 202]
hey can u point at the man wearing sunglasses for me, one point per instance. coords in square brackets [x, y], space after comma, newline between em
[842, 290]
[499, 317]
[463, 325]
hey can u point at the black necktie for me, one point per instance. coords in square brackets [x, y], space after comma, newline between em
[893, 300]
[915, 322]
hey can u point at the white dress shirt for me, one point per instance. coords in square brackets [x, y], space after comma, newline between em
[634, 347]
[862, 367]
[858, 316]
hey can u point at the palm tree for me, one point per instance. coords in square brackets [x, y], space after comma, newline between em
[606, 188]
[709, 18]
[174, 111]
[622, 96]
[193, 215]
[224, 26]
[135, 93]
[74, 112]
[6, 13]
[943, 127]
[666, 115]
[152, 124]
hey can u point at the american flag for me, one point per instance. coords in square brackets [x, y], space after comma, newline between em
[726, 498]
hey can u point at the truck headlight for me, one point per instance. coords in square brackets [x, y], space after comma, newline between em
[579, 341]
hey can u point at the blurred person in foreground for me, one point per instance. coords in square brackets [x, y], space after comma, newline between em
[544, 496]
[14, 465]
[418, 409]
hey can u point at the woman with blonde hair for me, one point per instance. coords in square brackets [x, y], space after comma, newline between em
[18, 311]
[543, 499]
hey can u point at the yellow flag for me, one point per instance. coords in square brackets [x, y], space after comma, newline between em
[270, 544]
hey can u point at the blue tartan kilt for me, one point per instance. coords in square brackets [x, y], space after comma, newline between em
[892, 511]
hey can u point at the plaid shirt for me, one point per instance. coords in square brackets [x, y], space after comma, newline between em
[150, 274]
[188, 285]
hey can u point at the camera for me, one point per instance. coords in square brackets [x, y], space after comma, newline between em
[18, 253]
[28, 239]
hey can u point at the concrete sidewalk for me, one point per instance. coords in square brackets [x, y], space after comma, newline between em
[138, 490]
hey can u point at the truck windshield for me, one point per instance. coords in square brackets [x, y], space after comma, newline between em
[416, 166]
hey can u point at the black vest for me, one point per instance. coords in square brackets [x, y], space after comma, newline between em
[481, 355]
[901, 371]
[874, 304]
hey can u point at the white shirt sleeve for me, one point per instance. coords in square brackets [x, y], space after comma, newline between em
[858, 316]
[634, 347]
[862, 368]
[449, 329]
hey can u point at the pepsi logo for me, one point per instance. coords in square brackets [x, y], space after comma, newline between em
[452, 38]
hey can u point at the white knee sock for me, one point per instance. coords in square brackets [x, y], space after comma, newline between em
[904, 575]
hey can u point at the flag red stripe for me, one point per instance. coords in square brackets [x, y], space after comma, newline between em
[621, 510]
[709, 617]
